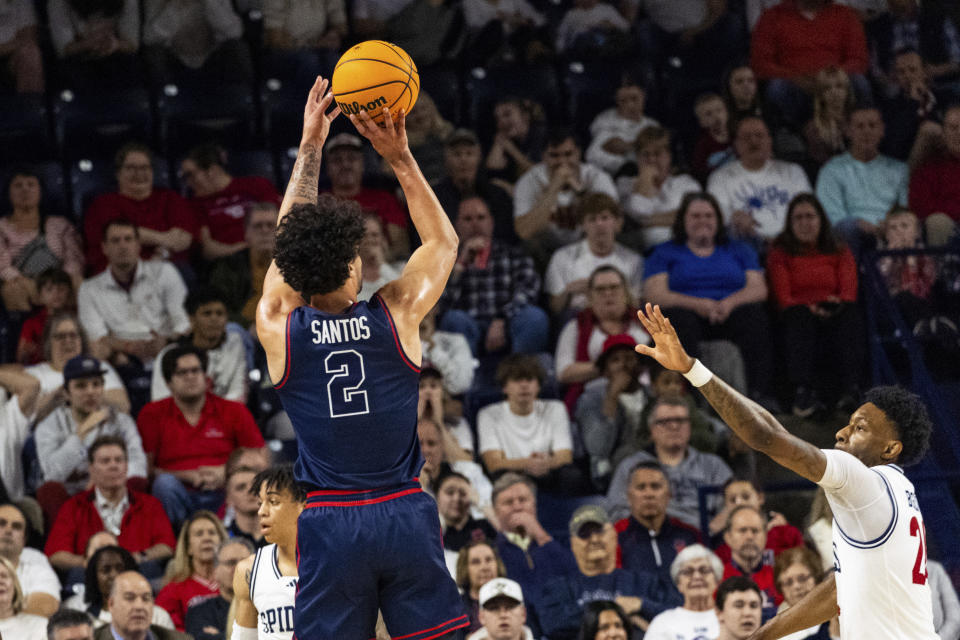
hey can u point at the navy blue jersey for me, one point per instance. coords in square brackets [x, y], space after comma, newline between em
[351, 394]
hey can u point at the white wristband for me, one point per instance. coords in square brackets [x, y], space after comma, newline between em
[698, 375]
[242, 633]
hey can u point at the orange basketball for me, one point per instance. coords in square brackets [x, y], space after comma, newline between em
[373, 75]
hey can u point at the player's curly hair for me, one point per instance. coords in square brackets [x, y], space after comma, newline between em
[909, 416]
[316, 244]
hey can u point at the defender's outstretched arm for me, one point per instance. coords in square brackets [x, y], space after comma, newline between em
[754, 424]
[815, 608]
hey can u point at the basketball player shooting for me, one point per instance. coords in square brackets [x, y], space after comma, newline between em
[880, 577]
[347, 374]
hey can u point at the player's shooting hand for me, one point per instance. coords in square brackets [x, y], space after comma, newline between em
[316, 120]
[390, 140]
[667, 349]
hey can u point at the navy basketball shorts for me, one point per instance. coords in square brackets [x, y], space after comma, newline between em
[359, 551]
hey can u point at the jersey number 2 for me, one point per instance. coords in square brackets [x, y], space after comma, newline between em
[344, 391]
[920, 566]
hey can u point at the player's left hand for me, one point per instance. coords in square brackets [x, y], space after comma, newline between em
[667, 349]
[390, 140]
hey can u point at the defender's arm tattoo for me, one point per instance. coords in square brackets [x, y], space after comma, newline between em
[761, 431]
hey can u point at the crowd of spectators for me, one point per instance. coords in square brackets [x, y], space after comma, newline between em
[740, 171]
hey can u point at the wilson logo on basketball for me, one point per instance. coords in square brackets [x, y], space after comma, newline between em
[354, 108]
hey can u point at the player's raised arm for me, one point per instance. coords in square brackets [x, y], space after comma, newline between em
[423, 279]
[754, 424]
[278, 297]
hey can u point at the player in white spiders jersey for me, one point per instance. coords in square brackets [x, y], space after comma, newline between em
[265, 584]
[879, 584]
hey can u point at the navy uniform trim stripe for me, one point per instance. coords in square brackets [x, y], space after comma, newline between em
[253, 572]
[276, 563]
[883, 537]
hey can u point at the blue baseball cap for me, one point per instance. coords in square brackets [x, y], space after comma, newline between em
[82, 367]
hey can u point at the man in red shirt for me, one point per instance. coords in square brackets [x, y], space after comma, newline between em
[137, 519]
[165, 223]
[221, 200]
[781, 535]
[344, 153]
[935, 185]
[189, 436]
[747, 536]
[795, 39]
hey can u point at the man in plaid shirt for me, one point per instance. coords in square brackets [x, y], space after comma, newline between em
[491, 293]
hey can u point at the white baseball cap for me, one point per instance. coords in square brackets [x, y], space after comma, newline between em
[500, 587]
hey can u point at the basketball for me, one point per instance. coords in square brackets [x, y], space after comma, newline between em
[373, 75]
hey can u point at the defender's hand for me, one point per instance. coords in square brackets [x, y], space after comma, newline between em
[667, 349]
[390, 140]
[316, 120]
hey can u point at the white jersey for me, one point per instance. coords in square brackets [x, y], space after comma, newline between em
[273, 595]
[879, 551]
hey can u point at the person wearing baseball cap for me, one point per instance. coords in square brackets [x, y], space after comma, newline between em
[593, 540]
[344, 167]
[462, 179]
[609, 409]
[502, 612]
[64, 436]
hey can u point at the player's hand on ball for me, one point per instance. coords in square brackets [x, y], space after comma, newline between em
[390, 140]
[316, 120]
[666, 348]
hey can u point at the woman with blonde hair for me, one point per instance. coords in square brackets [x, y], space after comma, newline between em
[190, 574]
[14, 623]
[832, 102]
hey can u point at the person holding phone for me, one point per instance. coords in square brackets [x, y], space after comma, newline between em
[489, 297]
[813, 277]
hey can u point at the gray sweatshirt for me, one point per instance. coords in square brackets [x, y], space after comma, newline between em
[696, 470]
[61, 451]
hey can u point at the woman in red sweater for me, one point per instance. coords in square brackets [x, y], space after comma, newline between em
[814, 282]
[190, 579]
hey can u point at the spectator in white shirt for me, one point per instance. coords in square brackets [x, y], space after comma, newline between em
[449, 353]
[134, 307]
[652, 198]
[545, 197]
[20, 393]
[696, 571]
[523, 433]
[754, 191]
[41, 588]
[614, 131]
[226, 356]
[570, 267]
[14, 621]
